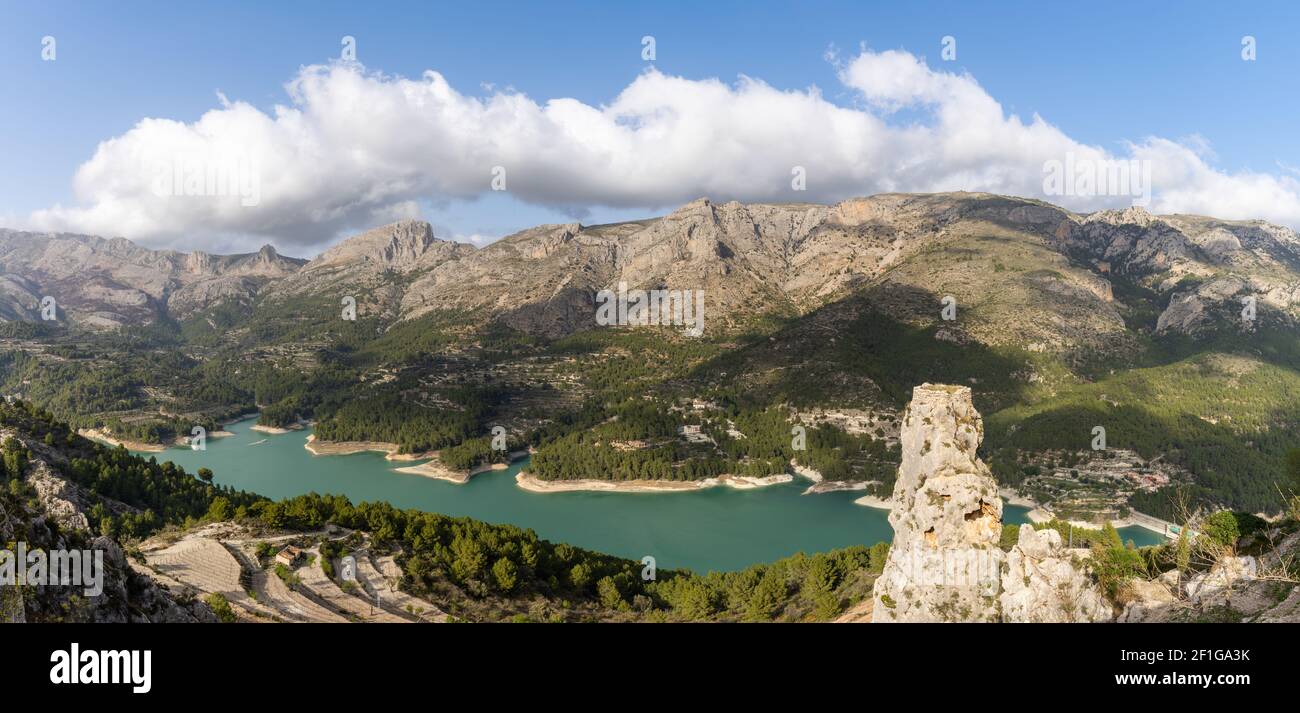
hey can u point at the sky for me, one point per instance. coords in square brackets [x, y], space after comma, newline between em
[229, 125]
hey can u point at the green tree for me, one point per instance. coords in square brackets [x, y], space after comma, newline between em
[219, 511]
[1111, 535]
[609, 595]
[580, 575]
[1293, 469]
[768, 597]
[506, 574]
[877, 557]
[221, 607]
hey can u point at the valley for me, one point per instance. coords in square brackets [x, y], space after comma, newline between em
[1062, 323]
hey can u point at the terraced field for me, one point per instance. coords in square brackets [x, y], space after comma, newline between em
[352, 605]
[379, 576]
[224, 562]
[207, 566]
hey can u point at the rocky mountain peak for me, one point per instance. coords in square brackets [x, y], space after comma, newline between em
[198, 263]
[1133, 215]
[1051, 268]
[398, 246]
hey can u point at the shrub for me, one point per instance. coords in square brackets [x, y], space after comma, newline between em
[1113, 566]
[1222, 528]
[221, 607]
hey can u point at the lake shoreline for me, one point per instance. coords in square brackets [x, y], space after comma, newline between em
[436, 470]
[391, 451]
[102, 436]
[718, 529]
[533, 484]
[525, 481]
[279, 430]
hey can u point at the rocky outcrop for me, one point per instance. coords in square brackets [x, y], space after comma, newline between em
[372, 268]
[1191, 311]
[400, 247]
[55, 519]
[945, 564]
[1148, 601]
[1204, 266]
[1046, 582]
[1225, 573]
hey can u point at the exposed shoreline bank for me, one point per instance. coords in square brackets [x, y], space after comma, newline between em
[433, 468]
[391, 451]
[278, 430]
[874, 501]
[102, 436]
[181, 441]
[532, 484]
[436, 470]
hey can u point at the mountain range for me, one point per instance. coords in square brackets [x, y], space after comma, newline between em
[752, 259]
[1177, 333]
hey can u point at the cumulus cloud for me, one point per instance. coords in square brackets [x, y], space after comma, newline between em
[353, 147]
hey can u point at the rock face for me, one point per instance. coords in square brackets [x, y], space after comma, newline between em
[1044, 582]
[370, 267]
[1050, 269]
[1149, 601]
[103, 284]
[56, 520]
[1222, 576]
[944, 564]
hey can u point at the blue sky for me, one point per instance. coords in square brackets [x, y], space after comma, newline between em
[1102, 73]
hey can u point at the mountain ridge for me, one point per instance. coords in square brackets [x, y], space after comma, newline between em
[750, 256]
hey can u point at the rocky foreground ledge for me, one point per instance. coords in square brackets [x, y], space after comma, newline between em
[945, 564]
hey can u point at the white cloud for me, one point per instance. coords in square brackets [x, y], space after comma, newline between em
[354, 148]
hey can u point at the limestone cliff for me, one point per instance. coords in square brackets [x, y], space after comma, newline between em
[945, 563]
[45, 510]
[1045, 582]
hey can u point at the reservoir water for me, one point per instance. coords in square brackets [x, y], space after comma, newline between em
[716, 529]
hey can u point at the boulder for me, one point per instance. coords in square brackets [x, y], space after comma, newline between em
[1223, 575]
[1046, 582]
[1148, 601]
